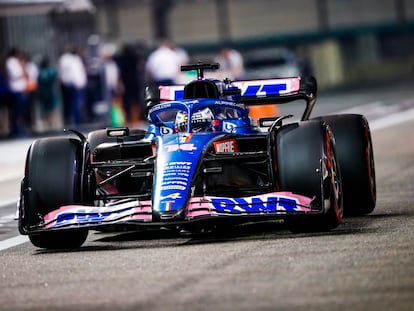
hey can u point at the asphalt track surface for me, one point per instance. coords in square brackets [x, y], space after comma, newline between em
[364, 264]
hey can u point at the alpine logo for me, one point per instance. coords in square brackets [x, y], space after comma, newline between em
[173, 196]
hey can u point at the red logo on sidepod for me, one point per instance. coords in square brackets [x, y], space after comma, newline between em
[226, 146]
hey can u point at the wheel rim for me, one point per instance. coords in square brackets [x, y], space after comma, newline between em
[370, 165]
[336, 189]
[334, 178]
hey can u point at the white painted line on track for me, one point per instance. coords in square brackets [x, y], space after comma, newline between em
[393, 119]
[10, 176]
[6, 219]
[14, 241]
[4, 203]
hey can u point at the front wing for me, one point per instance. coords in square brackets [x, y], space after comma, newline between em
[135, 212]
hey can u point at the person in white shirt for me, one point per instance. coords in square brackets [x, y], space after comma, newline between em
[73, 78]
[231, 63]
[17, 80]
[163, 64]
[112, 90]
[112, 75]
[64, 73]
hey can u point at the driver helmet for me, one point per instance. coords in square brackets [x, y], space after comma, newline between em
[201, 120]
[181, 121]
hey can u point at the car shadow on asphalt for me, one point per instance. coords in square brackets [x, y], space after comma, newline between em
[267, 230]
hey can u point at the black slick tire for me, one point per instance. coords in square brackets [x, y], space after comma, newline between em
[52, 179]
[306, 162]
[356, 158]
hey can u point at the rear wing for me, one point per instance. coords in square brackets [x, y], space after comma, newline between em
[260, 92]
[296, 89]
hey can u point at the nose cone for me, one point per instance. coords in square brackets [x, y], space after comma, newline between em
[178, 156]
[174, 215]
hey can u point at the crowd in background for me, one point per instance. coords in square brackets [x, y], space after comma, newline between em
[82, 88]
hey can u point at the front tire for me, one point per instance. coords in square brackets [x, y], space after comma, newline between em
[52, 179]
[307, 165]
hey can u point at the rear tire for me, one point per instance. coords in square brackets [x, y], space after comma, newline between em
[52, 179]
[356, 158]
[307, 165]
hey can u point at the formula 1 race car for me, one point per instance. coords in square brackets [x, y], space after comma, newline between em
[202, 163]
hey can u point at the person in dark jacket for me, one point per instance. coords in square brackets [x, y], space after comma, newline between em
[48, 96]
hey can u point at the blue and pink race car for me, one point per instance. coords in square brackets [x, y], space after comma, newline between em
[203, 162]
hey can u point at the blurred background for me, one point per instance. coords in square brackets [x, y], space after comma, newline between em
[342, 43]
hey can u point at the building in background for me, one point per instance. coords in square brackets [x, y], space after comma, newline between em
[45, 27]
[343, 42]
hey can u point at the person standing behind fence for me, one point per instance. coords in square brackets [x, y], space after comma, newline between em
[112, 76]
[130, 64]
[4, 99]
[48, 97]
[79, 81]
[64, 74]
[32, 70]
[163, 64]
[112, 85]
[72, 73]
[231, 63]
[17, 80]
